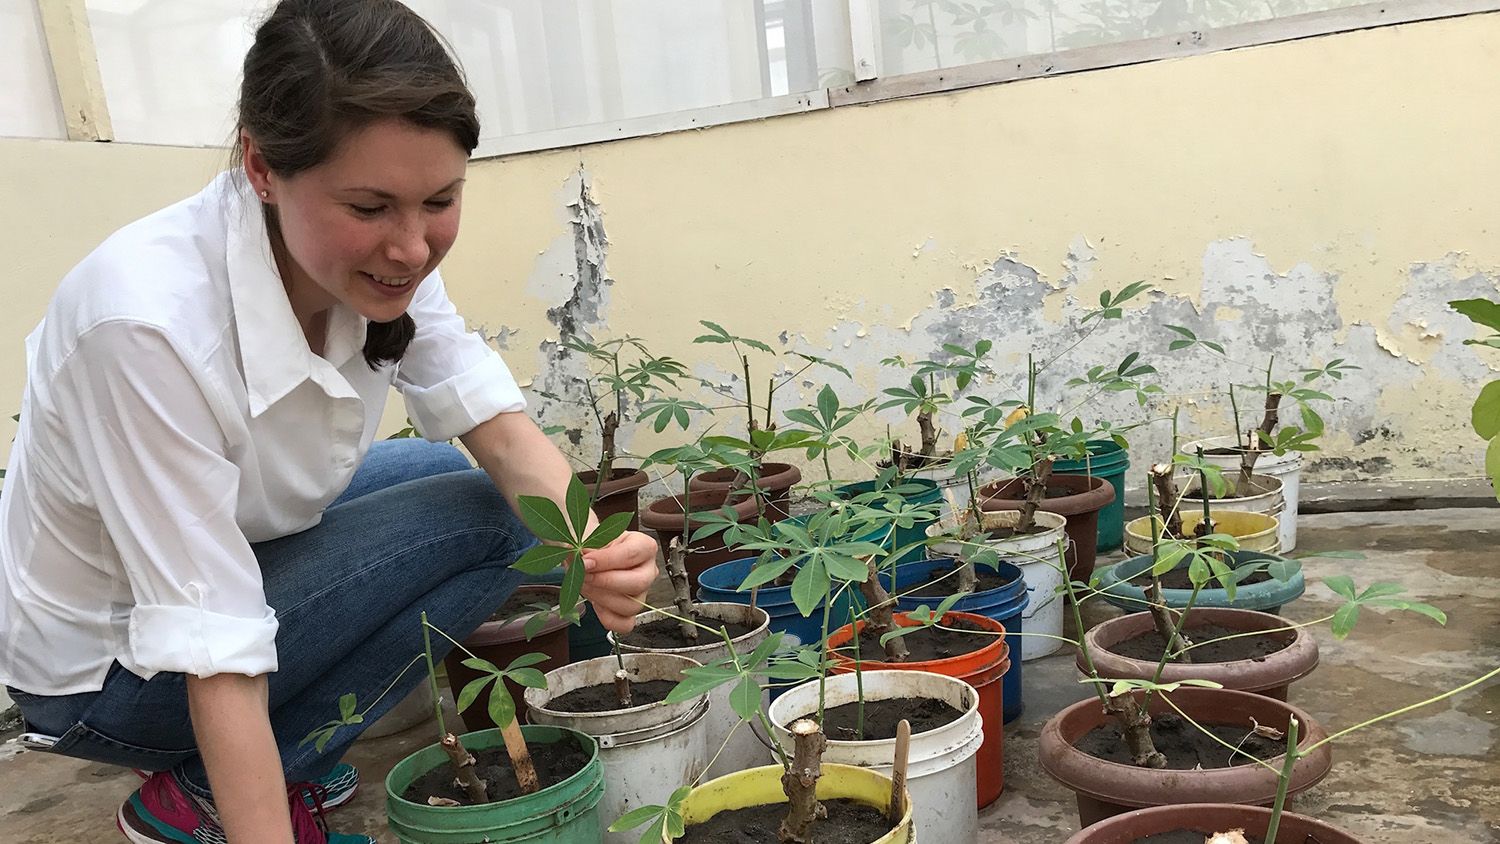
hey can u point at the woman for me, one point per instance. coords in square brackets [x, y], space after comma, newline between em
[200, 551]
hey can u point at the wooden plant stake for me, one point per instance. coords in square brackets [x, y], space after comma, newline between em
[800, 782]
[463, 769]
[897, 809]
[520, 757]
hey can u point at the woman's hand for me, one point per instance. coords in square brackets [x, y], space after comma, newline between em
[617, 576]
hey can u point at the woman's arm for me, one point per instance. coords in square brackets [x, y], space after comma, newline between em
[521, 461]
[233, 728]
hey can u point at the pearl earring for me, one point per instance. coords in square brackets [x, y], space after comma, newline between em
[265, 194]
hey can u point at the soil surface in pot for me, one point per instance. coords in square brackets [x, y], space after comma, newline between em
[1149, 646]
[928, 644]
[1223, 451]
[604, 698]
[1178, 579]
[881, 717]
[554, 763]
[848, 822]
[1184, 745]
[997, 534]
[522, 605]
[945, 583]
[666, 633]
[1183, 836]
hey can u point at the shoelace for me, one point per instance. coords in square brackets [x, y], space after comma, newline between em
[308, 826]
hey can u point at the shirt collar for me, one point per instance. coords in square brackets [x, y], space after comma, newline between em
[273, 350]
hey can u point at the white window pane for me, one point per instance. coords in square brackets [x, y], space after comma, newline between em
[171, 68]
[538, 65]
[917, 35]
[29, 108]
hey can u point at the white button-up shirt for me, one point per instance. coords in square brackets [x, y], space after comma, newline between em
[173, 415]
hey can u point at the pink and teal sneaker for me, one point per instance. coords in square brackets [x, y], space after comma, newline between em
[338, 785]
[161, 811]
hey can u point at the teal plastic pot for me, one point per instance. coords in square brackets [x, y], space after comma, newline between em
[586, 639]
[1109, 461]
[561, 814]
[902, 537]
[1267, 596]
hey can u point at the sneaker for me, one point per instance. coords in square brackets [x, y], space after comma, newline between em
[161, 811]
[338, 785]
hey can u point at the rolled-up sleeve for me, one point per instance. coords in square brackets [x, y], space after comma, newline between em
[449, 377]
[152, 449]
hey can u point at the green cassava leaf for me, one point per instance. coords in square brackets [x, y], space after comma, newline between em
[1342, 585]
[502, 708]
[543, 517]
[347, 705]
[577, 500]
[1344, 618]
[472, 690]
[608, 530]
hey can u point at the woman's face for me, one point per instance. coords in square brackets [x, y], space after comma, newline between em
[365, 227]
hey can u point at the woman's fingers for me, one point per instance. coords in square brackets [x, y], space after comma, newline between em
[617, 577]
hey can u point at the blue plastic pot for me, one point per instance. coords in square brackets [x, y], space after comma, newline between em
[902, 537]
[1004, 605]
[1109, 461]
[1267, 596]
[722, 583]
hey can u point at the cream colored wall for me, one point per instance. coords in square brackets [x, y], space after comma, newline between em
[1332, 192]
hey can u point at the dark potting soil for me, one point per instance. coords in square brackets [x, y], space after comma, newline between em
[604, 698]
[554, 763]
[1178, 579]
[1223, 451]
[926, 645]
[1011, 533]
[666, 633]
[1183, 836]
[881, 717]
[945, 583]
[520, 605]
[1150, 645]
[847, 823]
[1183, 744]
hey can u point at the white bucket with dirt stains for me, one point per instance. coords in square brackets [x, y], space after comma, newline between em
[1287, 467]
[941, 762]
[648, 751]
[741, 749]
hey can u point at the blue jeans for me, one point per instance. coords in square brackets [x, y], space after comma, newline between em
[417, 530]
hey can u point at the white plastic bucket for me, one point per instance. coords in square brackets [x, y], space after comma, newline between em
[1287, 467]
[743, 750]
[647, 751]
[1041, 565]
[940, 772]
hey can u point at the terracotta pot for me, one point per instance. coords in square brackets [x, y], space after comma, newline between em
[1105, 788]
[1088, 495]
[1269, 675]
[777, 479]
[664, 516]
[619, 494]
[501, 642]
[984, 669]
[1206, 819]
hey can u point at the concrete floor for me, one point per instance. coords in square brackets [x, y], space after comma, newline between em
[1430, 777]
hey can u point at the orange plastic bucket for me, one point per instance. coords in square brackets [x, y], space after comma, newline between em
[983, 669]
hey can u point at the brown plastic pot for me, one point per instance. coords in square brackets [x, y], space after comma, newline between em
[619, 494]
[1206, 819]
[1088, 495]
[501, 642]
[776, 479]
[664, 516]
[1105, 789]
[1269, 675]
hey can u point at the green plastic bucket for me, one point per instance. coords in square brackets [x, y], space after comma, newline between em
[902, 537]
[1109, 461]
[561, 814]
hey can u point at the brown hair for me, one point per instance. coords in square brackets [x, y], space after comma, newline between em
[320, 69]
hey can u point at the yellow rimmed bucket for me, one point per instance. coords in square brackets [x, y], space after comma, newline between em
[1255, 531]
[762, 786]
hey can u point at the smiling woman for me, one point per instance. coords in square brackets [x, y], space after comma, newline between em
[200, 549]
